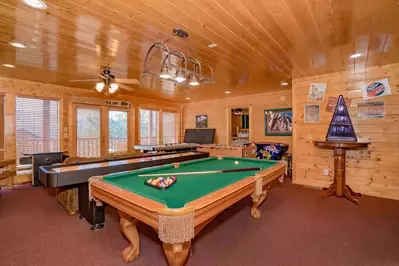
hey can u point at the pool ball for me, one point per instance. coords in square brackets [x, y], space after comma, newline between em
[236, 162]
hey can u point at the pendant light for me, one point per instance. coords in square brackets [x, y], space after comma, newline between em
[113, 87]
[165, 73]
[180, 76]
[100, 86]
[193, 81]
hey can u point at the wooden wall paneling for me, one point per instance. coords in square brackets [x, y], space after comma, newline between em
[182, 126]
[10, 147]
[217, 114]
[104, 130]
[229, 131]
[72, 120]
[370, 172]
[131, 128]
[251, 120]
[2, 117]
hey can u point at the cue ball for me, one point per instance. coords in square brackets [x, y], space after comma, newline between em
[236, 162]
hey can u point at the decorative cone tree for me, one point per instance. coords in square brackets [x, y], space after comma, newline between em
[341, 127]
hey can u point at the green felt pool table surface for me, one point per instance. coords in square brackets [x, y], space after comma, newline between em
[188, 187]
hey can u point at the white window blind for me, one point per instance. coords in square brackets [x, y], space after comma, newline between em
[149, 127]
[169, 127]
[37, 125]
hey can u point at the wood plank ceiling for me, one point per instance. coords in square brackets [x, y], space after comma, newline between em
[260, 43]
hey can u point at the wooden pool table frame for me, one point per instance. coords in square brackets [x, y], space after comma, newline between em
[133, 207]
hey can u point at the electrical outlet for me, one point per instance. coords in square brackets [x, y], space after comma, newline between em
[325, 171]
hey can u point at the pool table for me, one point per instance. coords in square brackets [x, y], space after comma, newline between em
[183, 210]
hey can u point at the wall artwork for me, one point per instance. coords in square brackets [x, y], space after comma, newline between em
[312, 113]
[201, 121]
[278, 122]
[371, 109]
[317, 91]
[376, 89]
[332, 102]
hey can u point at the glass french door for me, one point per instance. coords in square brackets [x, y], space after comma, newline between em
[117, 131]
[169, 128]
[149, 127]
[88, 131]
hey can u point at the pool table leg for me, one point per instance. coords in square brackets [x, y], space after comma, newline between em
[176, 254]
[128, 228]
[257, 200]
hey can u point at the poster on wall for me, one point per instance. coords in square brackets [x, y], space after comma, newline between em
[278, 122]
[371, 109]
[317, 91]
[312, 113]
[376, 89]
[201, 121]
[332, 102]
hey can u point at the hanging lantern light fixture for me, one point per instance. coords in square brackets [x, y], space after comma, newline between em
[175, 66]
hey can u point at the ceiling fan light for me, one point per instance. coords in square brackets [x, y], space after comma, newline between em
[180, 77]
[100, 86]
[165, 73]
[194, 81]
[113, 87]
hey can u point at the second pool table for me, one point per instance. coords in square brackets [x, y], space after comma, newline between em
[184, 209]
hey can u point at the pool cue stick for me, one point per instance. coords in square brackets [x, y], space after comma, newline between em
[207, 172]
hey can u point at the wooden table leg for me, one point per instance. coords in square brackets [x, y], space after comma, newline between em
[257, 200]
[349, 196]
[176, 254]
[128, 228]
[331, 190]
[353, 192]
[339, 187]
[339, 170]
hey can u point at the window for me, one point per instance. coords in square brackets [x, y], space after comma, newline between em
[117, 131]
[37, 123]
[88, 132]
[169, 126]
[149, 127]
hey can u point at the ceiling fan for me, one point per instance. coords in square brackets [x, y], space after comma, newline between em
[108, 81]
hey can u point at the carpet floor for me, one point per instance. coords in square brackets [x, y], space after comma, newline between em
[296, 228]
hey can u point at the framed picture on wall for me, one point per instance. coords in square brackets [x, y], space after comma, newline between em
[201, 121]
[312, 113]
[278, 122]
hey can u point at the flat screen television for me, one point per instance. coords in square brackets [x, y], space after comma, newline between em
[199, 136]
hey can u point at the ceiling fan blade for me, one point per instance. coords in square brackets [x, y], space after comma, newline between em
[127, 81]
[125, 87]
[83, 80]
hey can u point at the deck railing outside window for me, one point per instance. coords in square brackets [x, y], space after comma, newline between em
[90, 147]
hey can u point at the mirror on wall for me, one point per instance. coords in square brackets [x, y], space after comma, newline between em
[239, 126]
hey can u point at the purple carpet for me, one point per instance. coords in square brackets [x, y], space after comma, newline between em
[296, 228]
